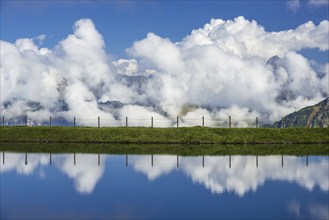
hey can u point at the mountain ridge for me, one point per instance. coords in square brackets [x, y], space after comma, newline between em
[311, 116]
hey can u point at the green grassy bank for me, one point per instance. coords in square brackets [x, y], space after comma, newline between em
[172, 149]
[142, 135]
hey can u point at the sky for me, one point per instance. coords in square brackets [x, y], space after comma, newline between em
[123, 22]
[164, 59]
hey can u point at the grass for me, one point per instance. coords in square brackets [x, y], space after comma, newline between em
[142, 135]
[184, 150]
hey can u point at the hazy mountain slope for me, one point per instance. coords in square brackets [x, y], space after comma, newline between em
[311, 116]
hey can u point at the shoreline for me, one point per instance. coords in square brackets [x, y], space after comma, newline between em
[45, 141]
[173, 149]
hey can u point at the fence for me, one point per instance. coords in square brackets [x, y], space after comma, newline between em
[133, 122]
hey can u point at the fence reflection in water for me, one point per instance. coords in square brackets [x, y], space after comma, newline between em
[93, 182]
[179, 159]
[218, 173]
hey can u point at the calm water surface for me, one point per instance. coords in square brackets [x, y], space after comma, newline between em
[89, 186]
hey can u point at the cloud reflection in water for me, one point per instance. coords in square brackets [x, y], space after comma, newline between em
[237, 174]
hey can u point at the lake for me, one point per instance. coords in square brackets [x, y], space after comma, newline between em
[102, 186]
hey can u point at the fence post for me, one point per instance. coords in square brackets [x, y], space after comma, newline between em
[229, 121]
[74, 121]
[282, 160]
[25, 120]
[151, 122]
[177, 122]
[126, 121]
[202, 121]
[306, 160]
[50, 121]
[256, 122]
[99, 121]
[3, 120]
[229, 162]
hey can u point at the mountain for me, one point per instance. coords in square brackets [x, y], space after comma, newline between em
[285, 93]
[275, 61]
[311, 116]
[137, 82]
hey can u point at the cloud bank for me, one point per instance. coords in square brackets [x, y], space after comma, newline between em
[232, 67]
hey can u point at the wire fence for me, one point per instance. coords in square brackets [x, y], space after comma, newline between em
[132, 122]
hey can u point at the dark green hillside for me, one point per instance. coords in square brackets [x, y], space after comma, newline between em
[311, 116]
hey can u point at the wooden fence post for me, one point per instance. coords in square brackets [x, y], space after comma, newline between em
[99, 121]
[126, 121]
[282, 160]
[202, 121]
[3, 120]
[151, 122]
[50, 121]
[307, 160]
[256, 122]
[177, 122]
[229, 162]
[229, 122]
[74, 121]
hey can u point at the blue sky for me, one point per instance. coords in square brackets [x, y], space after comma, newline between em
[123, 22]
